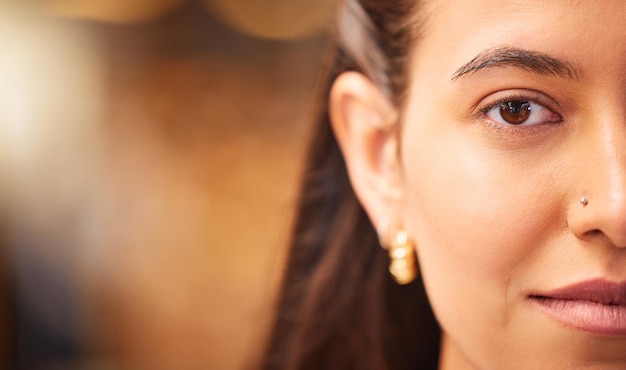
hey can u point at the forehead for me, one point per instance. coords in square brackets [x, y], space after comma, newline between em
[583, 32]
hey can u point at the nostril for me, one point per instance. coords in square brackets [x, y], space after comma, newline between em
[597, 234]
[592, 234]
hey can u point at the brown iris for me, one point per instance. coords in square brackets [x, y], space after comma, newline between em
[515, 112]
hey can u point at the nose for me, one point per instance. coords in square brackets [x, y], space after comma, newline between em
[598, 213]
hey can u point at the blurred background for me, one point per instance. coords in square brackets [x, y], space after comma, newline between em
[149, 160]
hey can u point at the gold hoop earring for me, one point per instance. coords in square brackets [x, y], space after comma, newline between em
[403, 264]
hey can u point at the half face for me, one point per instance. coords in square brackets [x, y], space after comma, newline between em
[517, 110]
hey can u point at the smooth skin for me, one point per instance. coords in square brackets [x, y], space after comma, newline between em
[494, 208]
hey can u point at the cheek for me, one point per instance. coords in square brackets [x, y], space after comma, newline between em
[478, 225]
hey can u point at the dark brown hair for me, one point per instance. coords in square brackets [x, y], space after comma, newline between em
[338, 307]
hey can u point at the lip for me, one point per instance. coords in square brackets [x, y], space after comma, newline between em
[596, 306]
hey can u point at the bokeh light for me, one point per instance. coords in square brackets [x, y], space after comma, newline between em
[270, 19]
[115, 11]
[275, 19]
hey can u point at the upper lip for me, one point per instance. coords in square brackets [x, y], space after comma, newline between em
[597, 291]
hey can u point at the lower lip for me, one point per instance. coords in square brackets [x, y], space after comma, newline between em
[588, 316]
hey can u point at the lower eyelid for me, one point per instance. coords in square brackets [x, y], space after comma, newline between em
[506, 133]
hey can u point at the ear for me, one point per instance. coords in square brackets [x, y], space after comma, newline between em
[365, 125]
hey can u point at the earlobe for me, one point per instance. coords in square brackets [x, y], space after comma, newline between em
[365, 125]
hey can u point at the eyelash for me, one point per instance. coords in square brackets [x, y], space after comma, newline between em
[518, 129]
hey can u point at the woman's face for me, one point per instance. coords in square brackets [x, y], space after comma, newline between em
[517, 110]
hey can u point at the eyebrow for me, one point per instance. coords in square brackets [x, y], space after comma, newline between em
[526, 60]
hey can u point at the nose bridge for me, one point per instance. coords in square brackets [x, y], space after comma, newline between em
[611, 150]
[607, 177]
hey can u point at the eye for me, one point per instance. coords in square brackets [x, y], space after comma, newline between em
[520, 112]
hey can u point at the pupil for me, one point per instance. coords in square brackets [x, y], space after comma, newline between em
[515, 112]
